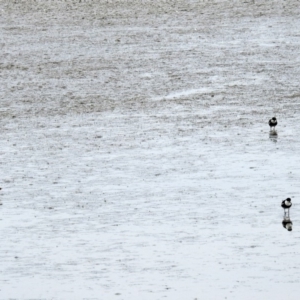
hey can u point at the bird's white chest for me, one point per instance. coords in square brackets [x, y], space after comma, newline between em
[287, 203]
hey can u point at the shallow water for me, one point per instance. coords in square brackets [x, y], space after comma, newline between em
[136, 155]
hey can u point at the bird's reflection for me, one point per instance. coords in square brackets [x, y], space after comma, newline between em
[287, 223]
[273, 136]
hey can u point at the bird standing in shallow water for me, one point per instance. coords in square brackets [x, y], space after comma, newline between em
[272, 123]
[286, 204]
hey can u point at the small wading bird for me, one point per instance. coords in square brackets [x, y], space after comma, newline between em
[286, 204]
[272, 123]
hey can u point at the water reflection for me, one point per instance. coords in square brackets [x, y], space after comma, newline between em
[273, 136]
[287, 223]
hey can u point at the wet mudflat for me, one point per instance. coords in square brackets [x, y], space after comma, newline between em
[136, 158]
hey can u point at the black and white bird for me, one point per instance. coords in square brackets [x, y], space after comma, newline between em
[286, 204]
[287, 224]
[272, 123]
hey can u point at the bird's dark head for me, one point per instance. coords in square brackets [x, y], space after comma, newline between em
[290, 229]
[288, 199]
[274, 119]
